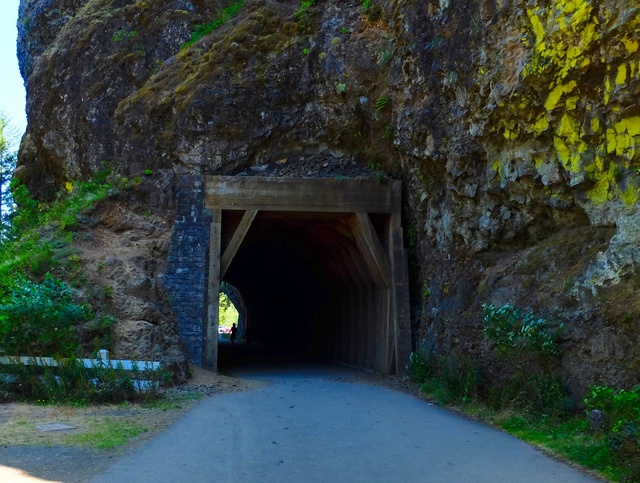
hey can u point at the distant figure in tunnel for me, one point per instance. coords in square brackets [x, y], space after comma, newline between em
[234, 333]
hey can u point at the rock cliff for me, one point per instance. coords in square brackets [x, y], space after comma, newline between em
[514, 125]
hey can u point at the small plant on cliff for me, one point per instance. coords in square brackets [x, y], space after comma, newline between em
[205, 29]
[382, 103]
[516, 334]
[372, 11]
[302, 14]
[366, 4]
[123, 34]
[388, 132]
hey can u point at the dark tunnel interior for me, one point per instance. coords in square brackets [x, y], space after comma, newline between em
[306, 286]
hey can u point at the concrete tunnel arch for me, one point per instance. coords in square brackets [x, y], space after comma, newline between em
[320, 265]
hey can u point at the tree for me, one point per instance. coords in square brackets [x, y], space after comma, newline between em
[7, 165]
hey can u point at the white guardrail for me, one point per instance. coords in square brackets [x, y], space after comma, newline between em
[102, 361]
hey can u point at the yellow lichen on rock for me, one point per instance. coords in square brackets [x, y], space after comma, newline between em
[570, 56]
[556, 94]
[631, 45]
[563, 32]
[621, 76]
[623, 138]
[600, 192]
[630, 195]
[541, 125]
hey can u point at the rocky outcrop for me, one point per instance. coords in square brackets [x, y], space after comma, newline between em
[124, 247]
[515, 127]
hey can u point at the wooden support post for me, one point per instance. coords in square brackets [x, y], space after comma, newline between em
[401, 318]
[371, 249]
[210, 342]
[236, 241]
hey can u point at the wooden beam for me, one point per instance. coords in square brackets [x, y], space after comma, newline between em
[371, 249]
[210, 342]
[236, 241]
[400, 314]
[302, 195]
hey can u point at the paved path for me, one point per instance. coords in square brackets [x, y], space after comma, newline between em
[319, 426]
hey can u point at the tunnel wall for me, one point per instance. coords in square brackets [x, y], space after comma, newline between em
[187, 264]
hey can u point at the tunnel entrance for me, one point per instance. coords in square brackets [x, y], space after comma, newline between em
[319, 264]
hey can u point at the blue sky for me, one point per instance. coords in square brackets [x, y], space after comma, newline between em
[11, 85]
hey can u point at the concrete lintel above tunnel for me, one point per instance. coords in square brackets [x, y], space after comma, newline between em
[329, 251]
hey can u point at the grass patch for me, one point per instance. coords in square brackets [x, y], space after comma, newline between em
[570, 439]
[206, 28]
[105, 433]
[97, 432]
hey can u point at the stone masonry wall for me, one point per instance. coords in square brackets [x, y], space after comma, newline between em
[187, 264]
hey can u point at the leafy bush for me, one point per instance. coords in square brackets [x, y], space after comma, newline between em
[619, 406]
[621, 424]
[39, 319]
[516, 334]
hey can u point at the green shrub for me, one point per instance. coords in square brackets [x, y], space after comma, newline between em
[461, 377]
[448, 379]
[38, 313]
[516, 334]
[528, 343]
[619, 406]
[72, 382]
[621, 424]
[419, 369]
[39, 319]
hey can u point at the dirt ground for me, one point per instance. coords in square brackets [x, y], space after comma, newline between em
[27, 453]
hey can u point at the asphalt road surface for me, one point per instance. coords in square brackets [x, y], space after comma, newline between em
[319, 424]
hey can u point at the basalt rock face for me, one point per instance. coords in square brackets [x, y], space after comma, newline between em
[515, 127]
